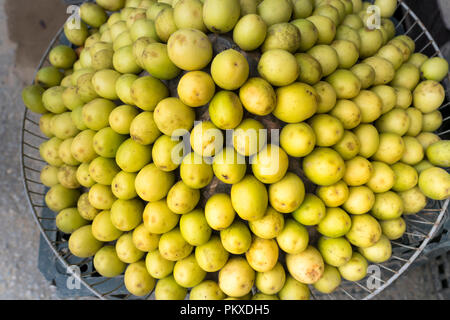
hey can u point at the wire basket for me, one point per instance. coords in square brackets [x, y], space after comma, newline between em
[421, 227]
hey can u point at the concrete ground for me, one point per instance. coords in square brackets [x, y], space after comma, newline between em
[26, 28]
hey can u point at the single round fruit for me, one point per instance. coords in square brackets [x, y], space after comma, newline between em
[294, 290]
[237, 238]
[327, 57]
[336, 223]
[329, 281]
[428, 96]
[69, 220]
[274, 11]
[270, 164]
[307, 266]
[269, 226]
[358, 171]
[326, 96]
[435, 68]
[83, 244]
[382, 178]
[173, 117]
[327, 129]
[249, 198]
[360, 200]
[107, 263]
[229, 166]
[293, 238]
[310, 70]
[272, 281]
[257, 97]
[324, 166]
[289, 97]
[364, 232]
[379, 252]
[393, 229]
[173, 246]
[250, 32]
[168, 289]
[187, 273]
[439, 153]
[435, 183]
[391, 148]
[157, 266]
[195, 172]
[219, 212]
[297, 139]
[182, 199]
[132, 156]
[196, 88]
[189, 49]
[388, 205]
[311, 211]
[220, 16]
[211, 256]
[348, 113]
[413, 200]
[348, 147]
[370, 105]
[355, 269]
[274, 61]
[262, 255]
[249, 137]
[194, 227]
[158, 218]
[236, 278]
[335, 251]
[284, 36]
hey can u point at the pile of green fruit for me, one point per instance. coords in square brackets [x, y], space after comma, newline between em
[237, 218]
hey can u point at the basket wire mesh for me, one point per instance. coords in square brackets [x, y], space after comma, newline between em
[421, 227]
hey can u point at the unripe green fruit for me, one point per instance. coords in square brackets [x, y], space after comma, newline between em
[308, 32]
[165, 24]
[188, 15]
[282, 36]
[273, 61]
[76, 34]
[155, 60]
[143, 128]
[326, 56]
[147, 92]
[220, 16]
[83, 244]
[365, 73]
[194, 227]
[435, 68]
[32, 98]
[62, 57]
[324, 166]
[189, 49]
[132, 156]
[59, 198]
[428, 96]
[93, 14]
[326, 29]
[273, 11]
[435, 183]
[345, 83]
[249, 198]
[257, 96]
